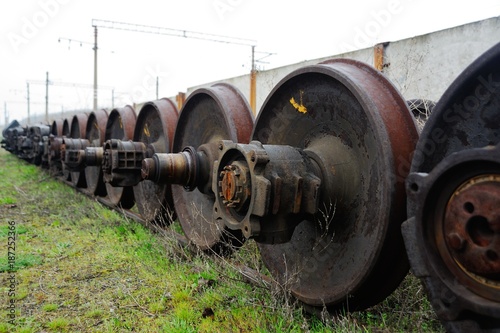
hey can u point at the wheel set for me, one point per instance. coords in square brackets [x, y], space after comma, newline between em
[334, 180]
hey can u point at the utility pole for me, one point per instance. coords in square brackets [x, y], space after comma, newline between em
[28, 97]
[157, 87]
[253, 84]
[95, 67]
[182, 34]
[47, 98]
[6, 113]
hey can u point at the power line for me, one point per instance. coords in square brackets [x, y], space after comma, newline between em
[172, 32]
[68, 84]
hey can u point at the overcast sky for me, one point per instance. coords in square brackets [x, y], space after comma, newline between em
[129, 62]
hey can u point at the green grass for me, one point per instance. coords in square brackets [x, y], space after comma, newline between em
[84, 268]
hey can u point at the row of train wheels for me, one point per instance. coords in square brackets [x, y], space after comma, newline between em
[334, 180]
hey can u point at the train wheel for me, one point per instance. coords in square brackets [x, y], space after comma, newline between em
[453, 235]
[121, 123]
[66, 128]
[359, 129]
[56, 130]
[208, 116]
[77, 131]
[155, 127]
[95, 131]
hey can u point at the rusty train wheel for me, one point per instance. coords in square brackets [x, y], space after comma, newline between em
[55, 166]
[209, 115]
[155, 127]
[77, 131]
[121, 123]
[96, 127]
[65, 128]
[56, 128]
[351, 254]
[54, 158]
[452, 237]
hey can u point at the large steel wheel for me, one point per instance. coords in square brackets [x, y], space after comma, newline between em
[347, 116]
[96, 127]
[65, 128]
[56, 128]
[453, 234]
[120, 125]
[208, 116]
[54, 146]
[77, 131]
[155, 127]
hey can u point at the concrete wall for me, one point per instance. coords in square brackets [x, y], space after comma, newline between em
[421, 67]
[424, 66]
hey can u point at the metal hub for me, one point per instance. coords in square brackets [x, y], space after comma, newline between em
[73, 154]
[77, 131]
[120, 126]
[264, 190]
[121, 162]
[169, 168]
[472, 227]
[234, 185]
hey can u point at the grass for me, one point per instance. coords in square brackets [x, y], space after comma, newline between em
[81, 267]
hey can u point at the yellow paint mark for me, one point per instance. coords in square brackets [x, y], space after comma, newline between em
[146, 131]
[121, 125]
[299, 106]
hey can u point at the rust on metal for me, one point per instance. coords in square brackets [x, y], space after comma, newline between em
[353, 245]
[120, 126]
[95, 134]
[77, 131]
[209, 115]
[472, 226]
[155, 127]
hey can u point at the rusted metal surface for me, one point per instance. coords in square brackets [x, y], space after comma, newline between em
[52, 155]
[120, 125]
[29, 142]
[174, 168]
[77, 131]
[379, 56]
[451, 235]
[71, 154]
[56, 128]
[66, 128]
[472, 226]
[10, 136]
[122, 162]
[348, 118]
[155, 128]
[208, 116]
[39, 135]
[54, 146]
[265, 190]
[95, 133]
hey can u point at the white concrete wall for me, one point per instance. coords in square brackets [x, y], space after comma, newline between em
[420, 67]
[424, 66]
